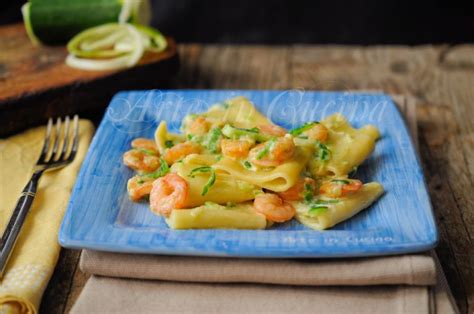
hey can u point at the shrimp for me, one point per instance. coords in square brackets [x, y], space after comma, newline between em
[318, 132]
[199, 126]
[139, 187]
[296, 192]
[273, 152]
[235, 148]
[340, 188]
[145, 143]
[141, 160]
[271, 129]
[273, 207]
[181, 150]
[168, 192]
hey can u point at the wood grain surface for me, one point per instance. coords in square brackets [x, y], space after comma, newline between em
[442, 80]
[35, 82]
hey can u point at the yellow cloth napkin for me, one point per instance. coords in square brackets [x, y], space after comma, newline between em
[36, 252]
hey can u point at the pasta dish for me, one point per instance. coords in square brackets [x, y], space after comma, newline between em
[231, 167]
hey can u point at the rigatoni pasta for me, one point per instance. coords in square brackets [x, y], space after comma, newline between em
[231, 167]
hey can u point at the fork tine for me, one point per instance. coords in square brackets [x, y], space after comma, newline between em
[47, 138]
[66, 140]
[57, 139]
[75, 141]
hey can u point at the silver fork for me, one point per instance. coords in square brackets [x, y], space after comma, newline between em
[55, 156]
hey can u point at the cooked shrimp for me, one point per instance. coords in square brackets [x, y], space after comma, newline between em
[181, 150]
[145, 143]
[235, 148]
[318, 132]
[141, 160]
[273, 152]
[168, 192]
[340, 188]
[199, 126]
[271, 129]
[139, 187]
[296, 192]
[273, 207]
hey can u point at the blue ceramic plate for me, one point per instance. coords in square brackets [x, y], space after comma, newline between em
[101, 217]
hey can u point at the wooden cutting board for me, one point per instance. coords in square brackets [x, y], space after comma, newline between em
[36, 84]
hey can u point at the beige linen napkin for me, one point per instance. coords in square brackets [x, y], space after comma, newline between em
[392, 284]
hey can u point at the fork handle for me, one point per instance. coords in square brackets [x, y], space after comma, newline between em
[17, 219]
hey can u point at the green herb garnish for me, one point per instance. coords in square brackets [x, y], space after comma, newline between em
[169, 144]
[210, 182]
[266, 149]
[163, 170]
[308, 193]
[305, 127]
[324, 153]
[341, 181]
[214, 136]
[317, 210]
[236, 133]
[189, 136]
[247, 164]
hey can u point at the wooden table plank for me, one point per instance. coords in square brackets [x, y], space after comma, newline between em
[35, 82]
[442, 79]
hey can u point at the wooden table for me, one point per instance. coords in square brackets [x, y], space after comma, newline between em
[440, 77]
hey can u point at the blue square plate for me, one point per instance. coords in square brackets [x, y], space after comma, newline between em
[101, 217]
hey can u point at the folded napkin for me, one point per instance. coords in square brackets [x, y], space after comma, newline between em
[37, 249]
[392, 284]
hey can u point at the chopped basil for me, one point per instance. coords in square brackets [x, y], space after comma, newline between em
[236, 133]
[341, 181]
[212, 177]
[324, 153]
[213, 138]
[202, 169]
[190, 136]
[308, 193]
[210, 183]
[169, 144]
[266, 149]
[317, 210]
[247, 164]
[140, 181]
[305, 127]
[163, 170]
[225, 105]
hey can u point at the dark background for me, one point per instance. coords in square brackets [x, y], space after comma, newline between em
[305, 21]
